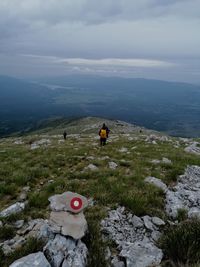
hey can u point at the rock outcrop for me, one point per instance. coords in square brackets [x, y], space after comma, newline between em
[186, 194]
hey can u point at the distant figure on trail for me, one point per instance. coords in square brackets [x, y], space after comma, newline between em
[65, 135]
[103, 133]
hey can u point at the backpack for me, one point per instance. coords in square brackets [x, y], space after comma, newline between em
[103, 133]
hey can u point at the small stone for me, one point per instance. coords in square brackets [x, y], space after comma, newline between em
[123, 150]
[147, 222]
[157, 221]
[166, 161]
[137, 222]
[112, 165]
[155, 161]
[91, 167]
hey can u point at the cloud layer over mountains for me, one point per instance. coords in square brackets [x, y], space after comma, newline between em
[151, 30]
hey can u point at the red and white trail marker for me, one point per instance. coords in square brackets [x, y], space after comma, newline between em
[76, 203]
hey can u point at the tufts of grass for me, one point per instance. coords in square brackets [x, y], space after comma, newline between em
[6, 232]
[8, 189]
[93, 240]
[181, 243]
[182, 215]
[38, 200]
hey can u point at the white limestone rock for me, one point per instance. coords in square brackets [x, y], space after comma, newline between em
[193, 148]
[112, 165]
[141, 254]
[58, 249]
[68, 201]
[91, 167]
[32, 260]
[157, 182]
[123, 150]
[13, 209]
[186, 194]
[157, 221]
[67, 224]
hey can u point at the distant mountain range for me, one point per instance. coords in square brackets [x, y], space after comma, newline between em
[165, 106]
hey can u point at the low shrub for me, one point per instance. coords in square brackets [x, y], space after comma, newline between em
[181, 243]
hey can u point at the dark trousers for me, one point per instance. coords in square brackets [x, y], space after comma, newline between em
[102, 141]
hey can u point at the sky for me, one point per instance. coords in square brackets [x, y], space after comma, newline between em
[157, 39]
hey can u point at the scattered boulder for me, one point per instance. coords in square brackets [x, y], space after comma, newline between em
[193, 148]
[13, 209]
[157, 182]
[18, 142]
[164, 161]
[36, 259]
[38, 144]
[123, 150]
[91, 167]
[152, 138]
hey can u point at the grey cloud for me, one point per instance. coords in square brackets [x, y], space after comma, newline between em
[93, 11]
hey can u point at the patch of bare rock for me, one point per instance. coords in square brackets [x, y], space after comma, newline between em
[185, 195]
[135, 237]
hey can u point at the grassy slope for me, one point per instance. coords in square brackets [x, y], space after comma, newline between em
[63, 163]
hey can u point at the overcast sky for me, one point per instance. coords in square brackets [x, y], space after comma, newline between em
[134, 38]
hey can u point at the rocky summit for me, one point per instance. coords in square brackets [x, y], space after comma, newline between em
[73, 203]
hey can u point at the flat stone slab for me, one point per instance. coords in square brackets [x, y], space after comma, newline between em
[68, 201]
[33, 260]
[13, 209]
[74, 225]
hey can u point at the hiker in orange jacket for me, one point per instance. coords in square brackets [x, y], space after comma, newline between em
[103, 133]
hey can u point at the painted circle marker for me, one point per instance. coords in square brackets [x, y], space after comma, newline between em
[76, 203]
